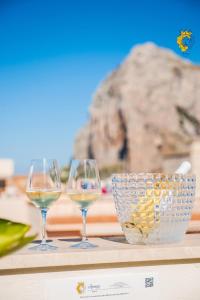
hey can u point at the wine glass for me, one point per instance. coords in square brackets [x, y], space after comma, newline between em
[84, 188]
[43, 188]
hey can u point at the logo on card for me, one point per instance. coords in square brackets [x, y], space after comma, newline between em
[80, 287]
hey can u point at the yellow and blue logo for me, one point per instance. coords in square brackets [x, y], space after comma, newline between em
[185, 40]
[80, 287]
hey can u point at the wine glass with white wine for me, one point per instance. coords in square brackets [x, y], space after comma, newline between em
[43, 188]
[84, 188]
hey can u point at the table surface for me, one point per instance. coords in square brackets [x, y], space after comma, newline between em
[110, 251]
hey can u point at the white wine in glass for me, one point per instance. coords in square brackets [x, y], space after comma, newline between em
[84, 188]
[43, 188]
[43, 198]
[84, 199]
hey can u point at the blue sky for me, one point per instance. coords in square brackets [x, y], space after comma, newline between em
[53, 55]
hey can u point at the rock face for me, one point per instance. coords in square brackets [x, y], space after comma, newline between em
[147, 108]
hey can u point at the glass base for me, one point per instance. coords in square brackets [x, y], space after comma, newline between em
[84, 245]
[43, 247]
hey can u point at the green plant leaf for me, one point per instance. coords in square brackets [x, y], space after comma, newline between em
[12, 236]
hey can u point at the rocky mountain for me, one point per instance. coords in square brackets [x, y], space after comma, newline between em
[147, 108]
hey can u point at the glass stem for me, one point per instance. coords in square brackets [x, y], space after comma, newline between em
[44, 218]
[84, 216]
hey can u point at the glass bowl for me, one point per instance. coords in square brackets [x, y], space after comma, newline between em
[153, 208]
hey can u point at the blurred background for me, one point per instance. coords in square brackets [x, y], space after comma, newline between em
[109, 80]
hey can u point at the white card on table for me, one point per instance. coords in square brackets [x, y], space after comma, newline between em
[114, 286]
